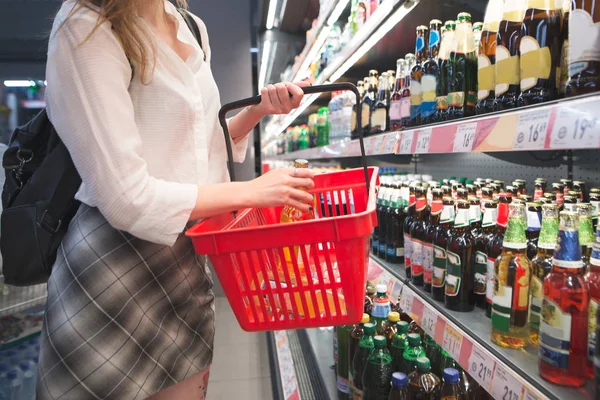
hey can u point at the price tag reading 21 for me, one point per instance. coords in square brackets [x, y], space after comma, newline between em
[481, 367]
[505, 386]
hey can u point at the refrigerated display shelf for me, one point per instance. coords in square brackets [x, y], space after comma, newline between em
[567, 124]
[17, 299]
[467, 337]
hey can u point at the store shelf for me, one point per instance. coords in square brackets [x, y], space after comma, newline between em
[565, 124]
[466, 336]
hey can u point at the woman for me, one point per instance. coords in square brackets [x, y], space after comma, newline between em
[130, 311]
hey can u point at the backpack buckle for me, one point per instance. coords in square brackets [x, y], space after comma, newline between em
[50, 226]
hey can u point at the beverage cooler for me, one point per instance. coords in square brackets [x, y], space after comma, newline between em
[482, 117]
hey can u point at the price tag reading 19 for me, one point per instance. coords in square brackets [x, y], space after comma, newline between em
[406, 143]
[532, 130]
[575, 129]
[465, 138]
[505, 386]
[481, 367]
[423, 140]
[429, 321]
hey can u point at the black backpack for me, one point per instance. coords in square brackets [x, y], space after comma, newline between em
[38, 197]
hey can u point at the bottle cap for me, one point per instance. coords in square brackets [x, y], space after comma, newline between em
[3, 367]
[369, 328]
[393, 316]
[12, 374]
[381, 289]
[414, 339]
[380, 342]
[365, 318]
[451, 375]
[402, 327]
[399, 380]
[371, 290]
[423, 364]
[25, 366]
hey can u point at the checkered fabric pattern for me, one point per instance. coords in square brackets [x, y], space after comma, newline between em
[125, 318]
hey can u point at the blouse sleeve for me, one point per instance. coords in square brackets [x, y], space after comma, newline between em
[89, 104]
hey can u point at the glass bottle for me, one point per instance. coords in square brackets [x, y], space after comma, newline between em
[399, 386]
[381, 194]
[429, 80]
[593, 281]
[477, 32]
[490, 218]
[445, 48]
[440, 241]
[365, 346]
[435, 214]
[390, 326]
[559, 191]
[360, 85]
[416, 74]
[418, 237]
[378, 371]
[371, 291]
[396, 100]
[381, 308]
[539, 190]
[540, 51]
[595, 202]
[582, 188]
[534, 224]
[564, 326]
[462, 71]
[460, 263]
[541, 265]
[563, 70]
[412, 353]
[405, 108]
[423, 384]
[511, 295]
[586, 232]
[451, 389]
[368, 101]
[399, 345]
[341, 352]
[487, 57]
[508, 70]
[386, 209]
[379, 114]
[475, 216]
[584, 48]
[395, 247]
[410, 218]
[356, 335]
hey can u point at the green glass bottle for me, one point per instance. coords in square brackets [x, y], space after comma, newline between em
[399, 345]
[342, 342]
[378, 371]
[365, 346]
[412, 352]
[586, 232]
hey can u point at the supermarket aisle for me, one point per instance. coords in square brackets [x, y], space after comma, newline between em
[240, 367]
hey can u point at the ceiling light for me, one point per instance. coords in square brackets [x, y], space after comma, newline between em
[271, 14]
[264, 64]
[19, 84]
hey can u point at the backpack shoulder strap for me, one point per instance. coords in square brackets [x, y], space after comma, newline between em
[193, 26]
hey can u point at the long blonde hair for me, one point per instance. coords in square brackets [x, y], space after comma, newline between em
[136, 41]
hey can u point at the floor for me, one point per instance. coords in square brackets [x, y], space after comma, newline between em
[240, 368]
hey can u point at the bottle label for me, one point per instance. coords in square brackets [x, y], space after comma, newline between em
[490, 217]
[417, 258]
[507, 70]
[592, 329]
[448, 214]
[407, 251]
[536, 62]
[456, 99]
[537, 297]
[453, 274]
[534, 222]
[584, 40]
[429, 87]
[428, 262]
[480, 273]
[416, 98]
[462, 219]
[378, 119]
[489, 287]
[381, 307]
[434, 38]
[442, 103]
[343, 385]
[366, 114]
[501, 308]
[375, 244]
[420, 44]
[400, 252]
[555, 335]
[391, 251]
[405, 107]
[439, 267]
[486, 76]
[382, 248]
[538, 194]
[474, 213]
[396, 110]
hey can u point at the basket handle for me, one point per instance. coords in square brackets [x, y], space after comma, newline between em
[307, 90]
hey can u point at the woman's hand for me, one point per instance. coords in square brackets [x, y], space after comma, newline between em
[280, 98]
[280, 188]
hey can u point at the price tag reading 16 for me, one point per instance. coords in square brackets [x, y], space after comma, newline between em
[465, 138]
[532, 130]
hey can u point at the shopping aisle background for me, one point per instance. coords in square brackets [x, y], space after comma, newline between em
[240, 367]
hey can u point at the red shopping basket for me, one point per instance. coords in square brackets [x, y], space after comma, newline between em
[302, 275]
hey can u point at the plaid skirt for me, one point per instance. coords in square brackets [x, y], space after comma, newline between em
[125, 318]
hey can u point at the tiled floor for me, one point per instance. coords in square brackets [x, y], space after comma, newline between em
[240, 368]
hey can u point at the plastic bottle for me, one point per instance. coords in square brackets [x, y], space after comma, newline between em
[381, 308]
[14, 384]
[411, 354]
[389, 327]
[356, 334]
[399, 345]
[378, 371]
[365, 346]
[29, 381]
[422, 383]
[399, 386]
[451, 389]
[3, 381]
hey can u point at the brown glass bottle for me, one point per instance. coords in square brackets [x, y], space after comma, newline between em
[440, 241]
[406, 93]
[475, 216]
[580, 186]
[418, 237]
[540, 51]
[534, 225]
[396, 99]
[368, 102]
[416, 75]
[559, 191]
[490, 218]
[508, 72]
[487, 57]
[380, 112]
[584, 48]
[429, 80]
[410, 218]
[437, 206]
[361, 89]
[495, 247]
[395, 247]
[460, 263]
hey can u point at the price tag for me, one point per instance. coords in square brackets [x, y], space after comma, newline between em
[406, 300]
[452, 342]
[352, 149]
[532, 130]
[369, 145]
[391, 141]
[406, 143]
[423, 141]
[481, 367]
[429, 321]
[465, 137]
[528, 395]
[377, 144]
[505, 386]
[575, 129]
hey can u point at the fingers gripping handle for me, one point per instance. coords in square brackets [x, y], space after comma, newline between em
[307, 90]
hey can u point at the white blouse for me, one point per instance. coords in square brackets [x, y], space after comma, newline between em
[141, 150]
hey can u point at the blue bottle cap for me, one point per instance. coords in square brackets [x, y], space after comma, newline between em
[451, 375]
[36, 359]
[3, 367]
[25, 366]
[399, 380]
[12, 374]
[22, 347]
[10, 353]
[35, 340]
